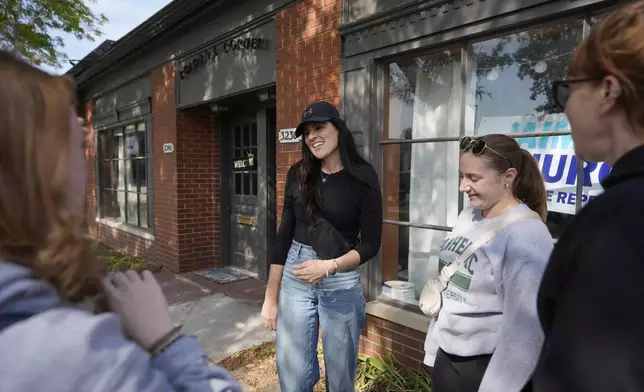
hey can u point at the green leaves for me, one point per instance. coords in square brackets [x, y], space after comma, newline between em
[30, 27]
[387, 374]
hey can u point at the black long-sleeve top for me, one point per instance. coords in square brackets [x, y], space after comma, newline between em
[591, 295]
[352, 206]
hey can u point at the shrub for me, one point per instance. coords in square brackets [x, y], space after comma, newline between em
[386, 374]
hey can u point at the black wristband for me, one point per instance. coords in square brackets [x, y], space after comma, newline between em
[166, 340]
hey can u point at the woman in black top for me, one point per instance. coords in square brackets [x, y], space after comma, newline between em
[306, 292]
[591, 296]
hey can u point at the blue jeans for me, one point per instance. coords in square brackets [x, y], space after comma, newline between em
[335, 304]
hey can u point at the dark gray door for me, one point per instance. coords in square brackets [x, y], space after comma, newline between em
[246, 235]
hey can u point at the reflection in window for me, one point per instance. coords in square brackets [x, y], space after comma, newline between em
[513, 75]
[420, 180]
[593, 20]
[123, 158]
[423, 194]
[421, 183]
[401, 260]
[423, 96]
[510, 92]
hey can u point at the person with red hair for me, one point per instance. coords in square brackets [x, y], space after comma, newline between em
[47, 265]
[591, 295]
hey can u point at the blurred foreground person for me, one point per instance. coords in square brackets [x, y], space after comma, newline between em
[591, 295]
[46, 264]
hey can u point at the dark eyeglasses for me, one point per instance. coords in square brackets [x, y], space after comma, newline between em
[477, 146]
[561, 90]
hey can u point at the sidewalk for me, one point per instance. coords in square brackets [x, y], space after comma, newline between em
[225, 318]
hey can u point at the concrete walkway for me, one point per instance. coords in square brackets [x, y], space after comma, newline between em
[225, 318]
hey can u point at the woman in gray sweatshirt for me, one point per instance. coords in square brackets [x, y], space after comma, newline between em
[487, 335]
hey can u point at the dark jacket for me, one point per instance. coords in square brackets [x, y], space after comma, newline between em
[591, 300]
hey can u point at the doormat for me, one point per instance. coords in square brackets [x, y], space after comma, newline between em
[223, 275]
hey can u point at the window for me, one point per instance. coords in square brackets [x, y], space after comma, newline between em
[593, 20]
[420, 180]
[123, 173]
[425, 110]
[509, 92]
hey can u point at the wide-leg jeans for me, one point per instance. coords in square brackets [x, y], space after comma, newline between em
[336, 305]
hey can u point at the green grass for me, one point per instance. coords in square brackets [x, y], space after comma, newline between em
[118, 261]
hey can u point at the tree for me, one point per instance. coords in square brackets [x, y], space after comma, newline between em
[30, 28]
[436, 66]
[546, 43]
[520, 51]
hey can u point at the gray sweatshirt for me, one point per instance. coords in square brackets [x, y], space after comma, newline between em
[489, 306]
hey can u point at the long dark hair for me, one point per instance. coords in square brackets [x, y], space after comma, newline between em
[308, 171]
[529, 186]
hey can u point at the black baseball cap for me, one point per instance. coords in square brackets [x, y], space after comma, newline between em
[317, 112]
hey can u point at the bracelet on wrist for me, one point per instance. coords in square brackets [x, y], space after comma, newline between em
[165, 341]
[335, 267]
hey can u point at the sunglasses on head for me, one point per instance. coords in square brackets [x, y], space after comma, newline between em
[477, 146]
[561, 90]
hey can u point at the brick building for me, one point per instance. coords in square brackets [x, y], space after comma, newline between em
[192, 115]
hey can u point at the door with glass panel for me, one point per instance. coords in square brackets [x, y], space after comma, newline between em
[245, 238]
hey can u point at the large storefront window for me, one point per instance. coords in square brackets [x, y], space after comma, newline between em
[507, 90]
[124, 175]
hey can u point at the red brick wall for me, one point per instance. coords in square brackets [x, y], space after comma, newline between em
[308, 70]
[164, 130]
[198, 188]
[163, 250]
[186, 185]
[90, 155]
[406, 344]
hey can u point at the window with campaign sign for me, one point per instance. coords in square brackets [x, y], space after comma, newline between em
[427, 108]
[510, 93]
[556, 158]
